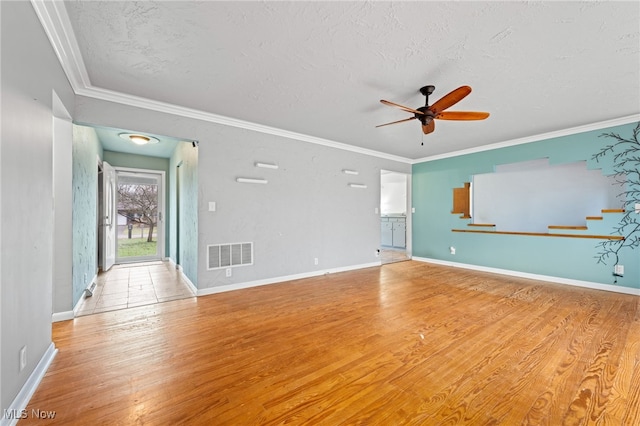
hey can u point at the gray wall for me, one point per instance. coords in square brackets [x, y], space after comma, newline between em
[30, 72]
[306, 210]
[62, 206]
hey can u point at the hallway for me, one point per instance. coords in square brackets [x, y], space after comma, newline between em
[136, 284]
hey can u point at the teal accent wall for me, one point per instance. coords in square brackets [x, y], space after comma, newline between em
[120, 159]
[184, 162]
[86, 151]
[568, 258]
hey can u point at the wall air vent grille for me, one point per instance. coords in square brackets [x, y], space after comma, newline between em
[229, 255]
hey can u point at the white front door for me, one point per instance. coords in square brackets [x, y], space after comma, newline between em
[109, 219]
[140, 213]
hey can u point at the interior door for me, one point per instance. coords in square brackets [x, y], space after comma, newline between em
[109, 221]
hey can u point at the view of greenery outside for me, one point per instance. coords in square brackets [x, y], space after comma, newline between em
[137, 245]
[138, 203]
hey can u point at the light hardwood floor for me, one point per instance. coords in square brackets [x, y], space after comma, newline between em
[404, 343]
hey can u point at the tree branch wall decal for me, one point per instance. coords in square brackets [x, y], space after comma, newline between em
[626, 165]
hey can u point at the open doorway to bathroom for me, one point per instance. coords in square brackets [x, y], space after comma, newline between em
[394, 222]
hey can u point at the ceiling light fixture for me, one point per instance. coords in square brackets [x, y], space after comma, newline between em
[138, 139]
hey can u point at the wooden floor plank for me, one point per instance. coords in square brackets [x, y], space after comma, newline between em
[404, 343]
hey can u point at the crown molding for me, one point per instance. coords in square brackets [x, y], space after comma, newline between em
[534, 138]
[56, 24]
[136, 101]
[55, 21]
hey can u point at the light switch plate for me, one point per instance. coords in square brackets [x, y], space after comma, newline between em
[212, 206]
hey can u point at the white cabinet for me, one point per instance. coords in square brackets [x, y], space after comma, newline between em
[393, 231]
[386, 232]
[400, 233]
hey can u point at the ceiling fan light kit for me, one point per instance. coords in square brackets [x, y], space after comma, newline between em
[428, 113]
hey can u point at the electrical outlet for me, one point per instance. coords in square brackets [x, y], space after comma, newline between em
[618, 270]
[23, 357]
[452, 250]
[228, 272]
[315, 260]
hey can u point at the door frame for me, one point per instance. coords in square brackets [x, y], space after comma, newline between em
[178, 210]
[408, 209]
[161, 227]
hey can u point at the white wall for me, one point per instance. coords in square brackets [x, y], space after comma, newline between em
[394, 191]
[30, 72]
[565, 195]
[306, 211]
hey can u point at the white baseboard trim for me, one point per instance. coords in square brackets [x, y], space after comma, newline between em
[24, 396]
[184, 277]
[557, 280]
[188, 281]
[249, 284]
[62, 316]
[69, 315]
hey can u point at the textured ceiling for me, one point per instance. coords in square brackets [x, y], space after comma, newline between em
[320, 68]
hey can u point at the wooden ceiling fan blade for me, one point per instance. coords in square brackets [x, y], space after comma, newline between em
[395, 122]
[429, 127]
[402, 107]
[462, 115]
[450, 99]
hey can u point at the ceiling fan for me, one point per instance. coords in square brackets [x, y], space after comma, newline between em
[427, 114]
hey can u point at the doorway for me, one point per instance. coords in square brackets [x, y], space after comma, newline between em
[145, 271]
[394, 222]
[140, 213]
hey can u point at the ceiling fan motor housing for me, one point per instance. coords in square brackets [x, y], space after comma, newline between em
[426, 116]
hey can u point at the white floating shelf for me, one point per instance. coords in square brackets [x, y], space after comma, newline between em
[357, 185]
[267, 165]
[349, 172]
[250, 180]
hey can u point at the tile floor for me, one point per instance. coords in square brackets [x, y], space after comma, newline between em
[135, 284]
